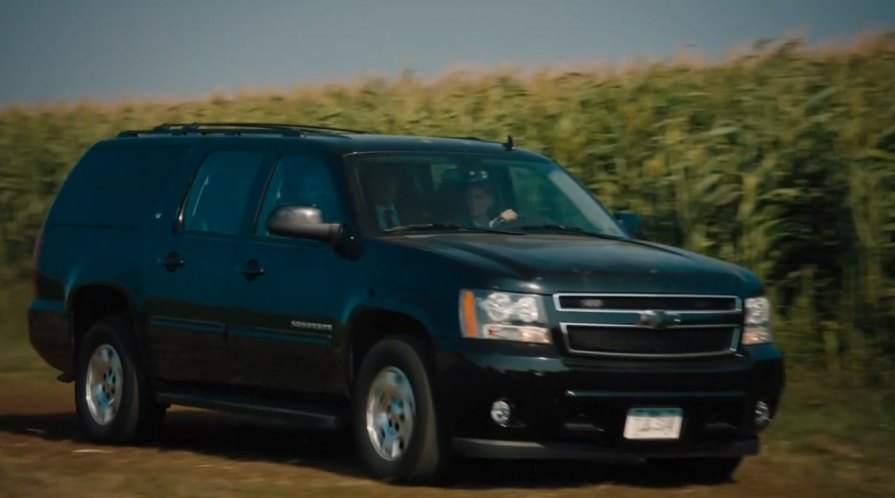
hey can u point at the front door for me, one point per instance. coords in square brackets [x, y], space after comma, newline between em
[287, 300]
[189, 291]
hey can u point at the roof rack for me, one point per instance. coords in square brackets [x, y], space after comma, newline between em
[237, 128]
[475, 139]
[506, 145]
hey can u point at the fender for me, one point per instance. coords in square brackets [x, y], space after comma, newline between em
[400, 308]
[133, 313]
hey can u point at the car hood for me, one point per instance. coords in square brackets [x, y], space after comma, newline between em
[550, 263]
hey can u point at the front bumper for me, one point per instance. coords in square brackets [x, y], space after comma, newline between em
[567, 407]
[520, 450]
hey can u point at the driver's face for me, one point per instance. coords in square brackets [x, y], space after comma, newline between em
[478, 202]
[384, 186]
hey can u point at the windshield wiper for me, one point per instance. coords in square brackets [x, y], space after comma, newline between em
[557, 228]
[447, 227]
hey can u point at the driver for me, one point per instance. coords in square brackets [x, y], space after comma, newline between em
[382, 187]
[479, 204]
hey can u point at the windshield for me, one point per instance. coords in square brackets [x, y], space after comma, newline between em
[404, 192]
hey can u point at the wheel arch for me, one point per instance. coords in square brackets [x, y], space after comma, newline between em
[89, 303]
[369, 325]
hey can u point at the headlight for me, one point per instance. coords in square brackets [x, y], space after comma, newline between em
[504, 316]
[757, 322]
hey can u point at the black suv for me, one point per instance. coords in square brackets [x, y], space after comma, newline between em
[437, 296]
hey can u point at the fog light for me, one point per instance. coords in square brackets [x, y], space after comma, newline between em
[501, 412]
[762, 415]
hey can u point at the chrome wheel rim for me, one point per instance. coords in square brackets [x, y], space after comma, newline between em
[104, 384]
[391, 409]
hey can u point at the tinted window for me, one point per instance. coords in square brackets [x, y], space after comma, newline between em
[115, 186]
[302, 180]
[477, 191]
[220, 192]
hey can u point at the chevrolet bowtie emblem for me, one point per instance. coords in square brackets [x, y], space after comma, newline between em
[592, 303]
[658, 319]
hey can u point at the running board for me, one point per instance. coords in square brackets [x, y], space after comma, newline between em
[311, 416]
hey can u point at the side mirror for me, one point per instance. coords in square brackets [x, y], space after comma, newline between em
[631, 222]
[301, 222]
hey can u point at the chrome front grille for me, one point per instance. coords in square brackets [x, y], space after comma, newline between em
[585, 302]
[655, 325]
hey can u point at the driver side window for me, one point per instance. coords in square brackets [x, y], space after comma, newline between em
[300, 180]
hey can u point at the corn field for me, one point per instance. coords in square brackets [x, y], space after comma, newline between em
[781, 160]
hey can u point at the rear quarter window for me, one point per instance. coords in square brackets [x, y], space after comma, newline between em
[115, 187]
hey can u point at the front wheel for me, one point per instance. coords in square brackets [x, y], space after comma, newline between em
[394, 418]
[112, 394]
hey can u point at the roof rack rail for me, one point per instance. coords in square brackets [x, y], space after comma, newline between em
[476, 139]
[249, 124]
[237, 128]
[473, 139]
[282, 132]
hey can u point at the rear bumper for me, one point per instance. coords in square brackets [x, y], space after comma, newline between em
[524, 450]
[577, 408]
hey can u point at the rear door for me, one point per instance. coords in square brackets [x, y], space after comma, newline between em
[189, 292]
[281, 337]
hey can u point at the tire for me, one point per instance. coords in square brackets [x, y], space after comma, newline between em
[700, 470]
[113, 398]
[398, 439]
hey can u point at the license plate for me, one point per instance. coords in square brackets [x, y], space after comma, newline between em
[654, 423]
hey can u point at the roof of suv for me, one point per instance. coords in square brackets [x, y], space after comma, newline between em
[342, 140]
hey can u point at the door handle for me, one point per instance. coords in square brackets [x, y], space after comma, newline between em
[251, 270]
[171, 262]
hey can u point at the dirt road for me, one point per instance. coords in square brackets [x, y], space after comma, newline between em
[42, 453]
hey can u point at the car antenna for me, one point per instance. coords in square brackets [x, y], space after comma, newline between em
[508, 145]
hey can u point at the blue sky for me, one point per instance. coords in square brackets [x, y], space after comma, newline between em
[111, 49]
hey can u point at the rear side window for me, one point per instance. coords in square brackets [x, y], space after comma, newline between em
[220, 193]
[115, 187]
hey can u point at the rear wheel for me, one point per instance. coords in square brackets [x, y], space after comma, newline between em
[393, 413]
[113, 398]
[705, 470]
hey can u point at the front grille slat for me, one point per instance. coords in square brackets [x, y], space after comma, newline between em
[625, 325]
[642, 341]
